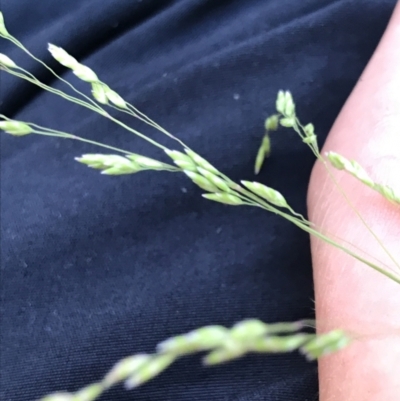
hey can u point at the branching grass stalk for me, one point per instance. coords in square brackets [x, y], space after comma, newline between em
[301, 223]
[141, 116]
[17, 43]
[265, 205]
[91, 104]
[61, 134]
[73, 99]
[132, 110]
[27, 76]
[307, 226]
[286, 109]
[222, 344]
[260, 203]
[298, 127]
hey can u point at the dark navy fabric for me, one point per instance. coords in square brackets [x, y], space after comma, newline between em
[96, 268]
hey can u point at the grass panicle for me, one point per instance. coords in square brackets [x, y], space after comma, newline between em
[267, 193]
[221, 344]
[353, 168]
[3, 30]
[15, 128]
[227, 199]
[263, 152]
[189, 160]
[119, 165]
[5, 61]
[201, 181]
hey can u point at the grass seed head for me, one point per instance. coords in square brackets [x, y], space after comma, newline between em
[5, 61]
[15, 128]
[228, 199]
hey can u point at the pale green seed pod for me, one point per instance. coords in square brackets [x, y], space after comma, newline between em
[228, 199]
[179, 345]
[89, 393]
[85, 73]
[121, 169]
[110, 164]
[259, 160]
[287, 122]
[263, 152]
[16, 128]
[337, 161]
[351, 166]
[202, 339]
[289, 105]
[394, 195]
[248, 329]
[285, 327]
[181, 160]
[201, 181]
[6, 61]
[214, 179]
[272, 123]
[357, 171]
[93, 164]
[184, 165]
[267, 193]
[115, 99]
[101, 161]
[266, 145]
[309, 130]
[279, 344]
[62, 56]
[146, 162]
[208, 337]
[387, 192]
[324, 344]
[149, 370]
[280, 102]
[3, 29]
[223, 355]
[310, 140]
[99, 93]
[201, 162]
[125, 368]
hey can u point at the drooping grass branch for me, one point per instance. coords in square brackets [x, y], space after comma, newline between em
[221, 345]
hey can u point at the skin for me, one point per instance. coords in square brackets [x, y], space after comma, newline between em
[349, 294]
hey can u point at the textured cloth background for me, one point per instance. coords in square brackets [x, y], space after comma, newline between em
[96, 268]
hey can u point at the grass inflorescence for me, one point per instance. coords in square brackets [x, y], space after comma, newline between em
[221, 344]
